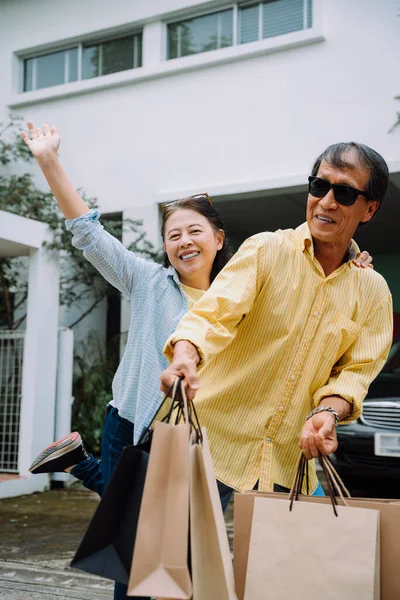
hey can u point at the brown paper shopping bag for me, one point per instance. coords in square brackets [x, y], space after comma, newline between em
[311, 553]
[160, 559]
[389, 537]
[245, 525]
[212, 571]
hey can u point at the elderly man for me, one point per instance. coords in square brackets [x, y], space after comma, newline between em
[291, 333]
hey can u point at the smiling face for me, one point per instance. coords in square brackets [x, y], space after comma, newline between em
[191, 245]
[330, 222]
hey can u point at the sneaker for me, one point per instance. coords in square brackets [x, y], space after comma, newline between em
[60, 455]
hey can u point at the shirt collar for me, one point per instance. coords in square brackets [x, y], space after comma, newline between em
[305, 242]
[171, 272]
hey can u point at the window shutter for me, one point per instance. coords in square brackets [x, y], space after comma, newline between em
[282, 16]
[117, 55]
[309, 13]
[248, 23]
[200, 34]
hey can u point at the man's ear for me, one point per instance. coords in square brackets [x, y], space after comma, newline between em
[371, 210]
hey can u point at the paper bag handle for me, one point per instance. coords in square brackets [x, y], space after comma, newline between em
[187, 410]
[333, 482]
[336, 480]
[173, 392]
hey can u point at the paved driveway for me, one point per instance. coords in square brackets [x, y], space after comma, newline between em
[39, 536]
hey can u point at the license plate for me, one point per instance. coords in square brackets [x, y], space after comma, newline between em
[387, 444]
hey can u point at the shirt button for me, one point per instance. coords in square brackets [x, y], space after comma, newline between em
[268, 440]
[293, 377]
[315, 313]
[281, 408]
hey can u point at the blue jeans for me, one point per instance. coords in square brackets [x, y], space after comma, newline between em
[117, 434]
[95, 474]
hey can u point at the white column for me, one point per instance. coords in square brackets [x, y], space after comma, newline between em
[40, 357]
[154, 44]
[65, 368]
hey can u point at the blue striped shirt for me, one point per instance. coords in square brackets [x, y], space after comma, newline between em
[157, 305]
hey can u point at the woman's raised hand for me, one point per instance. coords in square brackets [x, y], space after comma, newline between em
[41, 143]
[44, 145]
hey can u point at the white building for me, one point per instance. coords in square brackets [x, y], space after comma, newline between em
[156, 100]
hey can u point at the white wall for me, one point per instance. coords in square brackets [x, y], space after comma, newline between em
[236, 123]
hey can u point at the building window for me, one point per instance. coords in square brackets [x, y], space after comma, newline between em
[271, 18]
[111, 57]
[200, 34]
[255, 21]
[83, 61]
[50, 69]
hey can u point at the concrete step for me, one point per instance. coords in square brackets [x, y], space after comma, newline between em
[23, 581]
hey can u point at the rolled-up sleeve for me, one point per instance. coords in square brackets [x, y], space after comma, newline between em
[212, 324]
[357, 368]
[118, 265]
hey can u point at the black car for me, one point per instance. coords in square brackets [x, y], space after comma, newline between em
[369, 449]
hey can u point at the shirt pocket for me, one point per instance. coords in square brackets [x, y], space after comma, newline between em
[340, 333]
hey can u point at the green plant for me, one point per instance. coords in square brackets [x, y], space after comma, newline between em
[92, 391]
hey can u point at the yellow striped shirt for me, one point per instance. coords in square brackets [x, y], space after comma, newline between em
[276, 336]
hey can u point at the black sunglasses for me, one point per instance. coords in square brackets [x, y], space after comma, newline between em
[204, 196]
[344, 194]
